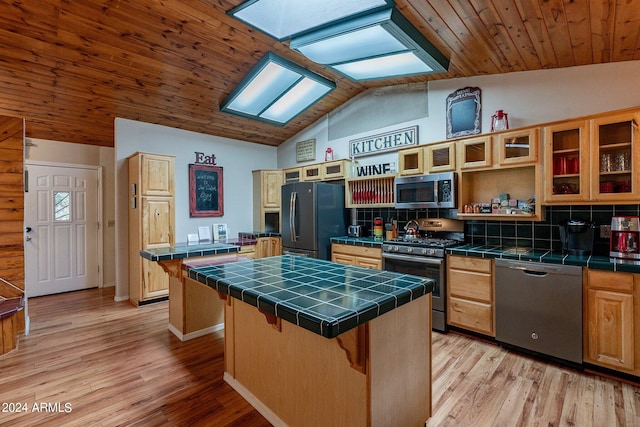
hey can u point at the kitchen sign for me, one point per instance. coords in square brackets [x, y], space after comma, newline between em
[388, 141]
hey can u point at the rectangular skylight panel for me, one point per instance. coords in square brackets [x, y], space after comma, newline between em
[266, 86]
[403, 64]
[305, 93]
[362, 43]
[284, 18]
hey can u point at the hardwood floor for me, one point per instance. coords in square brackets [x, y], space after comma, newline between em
[116, 365]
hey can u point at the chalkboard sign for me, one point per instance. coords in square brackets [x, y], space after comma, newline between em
[205, 191]
[463, 112]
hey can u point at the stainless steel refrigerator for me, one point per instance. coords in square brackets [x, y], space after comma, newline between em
[312, 213]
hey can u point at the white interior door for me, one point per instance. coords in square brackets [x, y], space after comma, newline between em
[61, 229]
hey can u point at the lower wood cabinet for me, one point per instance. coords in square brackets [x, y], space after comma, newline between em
[362, 256]
[612, 309]
[268, 246]
[470, 294]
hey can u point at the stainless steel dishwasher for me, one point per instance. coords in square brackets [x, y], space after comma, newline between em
[539, 308]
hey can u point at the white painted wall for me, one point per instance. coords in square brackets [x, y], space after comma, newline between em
[528, 97]
[237, 158]
[64, 152]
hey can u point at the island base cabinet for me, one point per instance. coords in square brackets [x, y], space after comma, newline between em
[295, 377]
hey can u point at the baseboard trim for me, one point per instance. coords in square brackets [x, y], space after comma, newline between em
[195, 334]
[254, 401]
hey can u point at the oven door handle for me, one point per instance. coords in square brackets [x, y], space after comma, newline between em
[418, 259]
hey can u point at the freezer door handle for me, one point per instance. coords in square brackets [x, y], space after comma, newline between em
[292, 215]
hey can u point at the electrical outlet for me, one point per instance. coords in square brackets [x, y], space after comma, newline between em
[605, 231]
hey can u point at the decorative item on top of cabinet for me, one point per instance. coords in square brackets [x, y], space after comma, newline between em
[151, 222]
[267, 185]
[471, 294]
[362, 256]
[566, 159]
[615, 156]
[411, 161]
[518, 147]
[375, 191]
[611, 320]
[440, 157]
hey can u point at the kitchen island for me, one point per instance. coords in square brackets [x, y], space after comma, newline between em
[315, 343]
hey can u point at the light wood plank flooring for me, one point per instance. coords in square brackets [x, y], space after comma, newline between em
[116, 365]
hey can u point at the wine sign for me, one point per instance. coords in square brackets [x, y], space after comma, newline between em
[206, 195]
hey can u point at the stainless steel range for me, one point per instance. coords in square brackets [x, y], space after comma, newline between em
[421, 252]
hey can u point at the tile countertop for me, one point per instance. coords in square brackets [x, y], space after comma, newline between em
[189, 251]
[358, 241]
[595, 262]
[323, 297]
[257, 234]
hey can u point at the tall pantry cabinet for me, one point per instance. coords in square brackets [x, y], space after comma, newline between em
[151, 222]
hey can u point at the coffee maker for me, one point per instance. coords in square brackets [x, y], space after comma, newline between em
[625, 237]
[577, 236]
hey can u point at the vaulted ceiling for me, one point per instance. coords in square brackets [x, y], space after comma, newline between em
[71, 67]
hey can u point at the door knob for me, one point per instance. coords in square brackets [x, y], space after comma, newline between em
[28, 238]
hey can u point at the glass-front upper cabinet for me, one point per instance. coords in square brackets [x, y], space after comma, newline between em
[440, 157]
[475, 152]
[566, 162]
[410, 161]
[519, 146]
[615, 156]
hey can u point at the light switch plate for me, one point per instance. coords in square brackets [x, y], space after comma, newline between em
[605, 231]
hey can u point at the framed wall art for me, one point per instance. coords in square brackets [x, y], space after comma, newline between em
[206, 196]
[463, 112]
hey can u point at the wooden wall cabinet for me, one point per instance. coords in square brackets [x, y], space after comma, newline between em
[615, 157]
[365, 192]
[292, 174]
[517, 147]
[440, 157]
[411, 161]
[363, 256]
[476, 152]
[267, 184]
[151, 222]
[566, 160]
[327, 171]
[470, 294]
[611, 321]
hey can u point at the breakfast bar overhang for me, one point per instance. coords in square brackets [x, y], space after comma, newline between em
[314, 343]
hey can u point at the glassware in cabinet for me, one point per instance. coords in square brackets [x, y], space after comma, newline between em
[566, 162]
[615, 156]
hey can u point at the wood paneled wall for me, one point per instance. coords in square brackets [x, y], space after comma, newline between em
[12, 208]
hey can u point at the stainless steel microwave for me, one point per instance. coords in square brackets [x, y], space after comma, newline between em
[427, 191]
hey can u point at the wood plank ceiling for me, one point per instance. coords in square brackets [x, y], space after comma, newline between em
[71, 67]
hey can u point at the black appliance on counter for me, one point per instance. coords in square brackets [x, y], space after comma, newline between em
[577, 236]
[312, 213]
[422, 253]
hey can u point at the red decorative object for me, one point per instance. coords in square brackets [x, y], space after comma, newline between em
[499, 121]
[328, 154]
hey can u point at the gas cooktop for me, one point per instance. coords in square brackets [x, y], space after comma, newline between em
[431, 242]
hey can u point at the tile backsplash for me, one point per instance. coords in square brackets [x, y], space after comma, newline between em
[543, 235]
